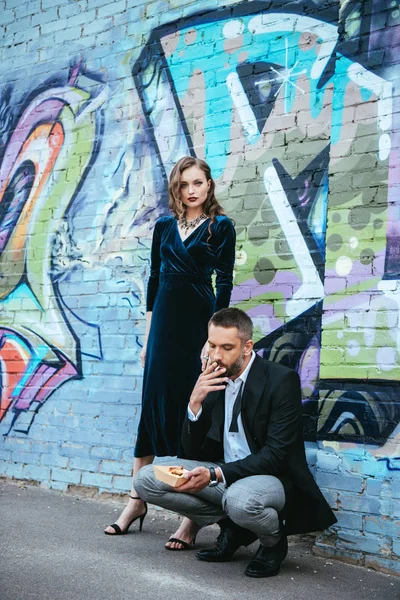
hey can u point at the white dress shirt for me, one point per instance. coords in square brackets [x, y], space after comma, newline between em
[235, 444]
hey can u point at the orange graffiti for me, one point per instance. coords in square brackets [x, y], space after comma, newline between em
[13, 361]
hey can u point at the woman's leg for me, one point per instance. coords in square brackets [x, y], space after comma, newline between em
[134, 508]
[186, 532]
[162, 495]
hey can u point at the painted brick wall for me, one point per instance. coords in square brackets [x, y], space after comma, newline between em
[296, 107]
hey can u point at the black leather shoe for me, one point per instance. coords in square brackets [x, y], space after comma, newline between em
[229, 540]
[267, 561]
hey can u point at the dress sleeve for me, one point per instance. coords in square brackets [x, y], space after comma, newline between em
[152, 285]
[226, 240]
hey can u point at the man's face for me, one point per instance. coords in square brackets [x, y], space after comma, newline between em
[228, 349]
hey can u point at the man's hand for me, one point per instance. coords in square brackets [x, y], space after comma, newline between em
[209, 381]
[198, 479]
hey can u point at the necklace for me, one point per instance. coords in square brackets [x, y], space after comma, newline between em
[186, 225]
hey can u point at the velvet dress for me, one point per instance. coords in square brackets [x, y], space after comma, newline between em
[181, 298]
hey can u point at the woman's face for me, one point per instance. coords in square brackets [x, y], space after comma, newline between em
[193, 188]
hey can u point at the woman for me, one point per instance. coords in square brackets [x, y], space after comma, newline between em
[187, 247]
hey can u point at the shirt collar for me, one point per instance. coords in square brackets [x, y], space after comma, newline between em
[243, 376]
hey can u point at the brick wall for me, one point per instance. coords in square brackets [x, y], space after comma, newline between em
[295, 106]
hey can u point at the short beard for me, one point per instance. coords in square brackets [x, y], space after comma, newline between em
[235, 368]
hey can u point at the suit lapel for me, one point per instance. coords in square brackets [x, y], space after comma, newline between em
[217, 415]
[252, 394]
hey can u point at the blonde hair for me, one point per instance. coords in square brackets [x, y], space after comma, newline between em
[211, 206]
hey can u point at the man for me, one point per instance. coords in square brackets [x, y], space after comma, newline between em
[244, 450]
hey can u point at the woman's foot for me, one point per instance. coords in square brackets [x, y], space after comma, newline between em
[187, 533]
[132, 511]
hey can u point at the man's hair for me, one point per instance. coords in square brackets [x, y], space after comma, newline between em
[234, 317]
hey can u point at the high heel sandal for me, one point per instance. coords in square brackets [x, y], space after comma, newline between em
[185, 545]
[117, 528]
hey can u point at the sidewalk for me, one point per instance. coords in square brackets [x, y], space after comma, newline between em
[53, 548]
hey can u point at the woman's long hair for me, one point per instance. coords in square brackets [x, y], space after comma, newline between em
[211, 206]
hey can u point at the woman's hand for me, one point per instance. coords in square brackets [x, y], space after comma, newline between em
[205, 357]
[143, 356]
[146, 337]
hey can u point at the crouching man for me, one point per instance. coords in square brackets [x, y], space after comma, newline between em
[243, 447]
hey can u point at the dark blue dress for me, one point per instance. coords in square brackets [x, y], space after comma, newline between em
[181, 298]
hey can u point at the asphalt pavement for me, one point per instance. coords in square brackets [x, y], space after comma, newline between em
[53, 548]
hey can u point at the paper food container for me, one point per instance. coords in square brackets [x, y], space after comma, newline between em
[163, 474]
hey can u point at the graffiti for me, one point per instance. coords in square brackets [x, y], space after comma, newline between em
[296, 106]
[299, 133]
[44, 163]
[299, 122]
[390, 466]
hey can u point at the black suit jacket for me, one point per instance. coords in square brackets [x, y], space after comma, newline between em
[271, 415]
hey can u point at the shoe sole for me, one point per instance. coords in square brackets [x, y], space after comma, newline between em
[220, 560]
[260, 576]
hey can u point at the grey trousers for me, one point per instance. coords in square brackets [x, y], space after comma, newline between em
[253, 502]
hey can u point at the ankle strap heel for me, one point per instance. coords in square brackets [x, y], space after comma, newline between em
[117, 529]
